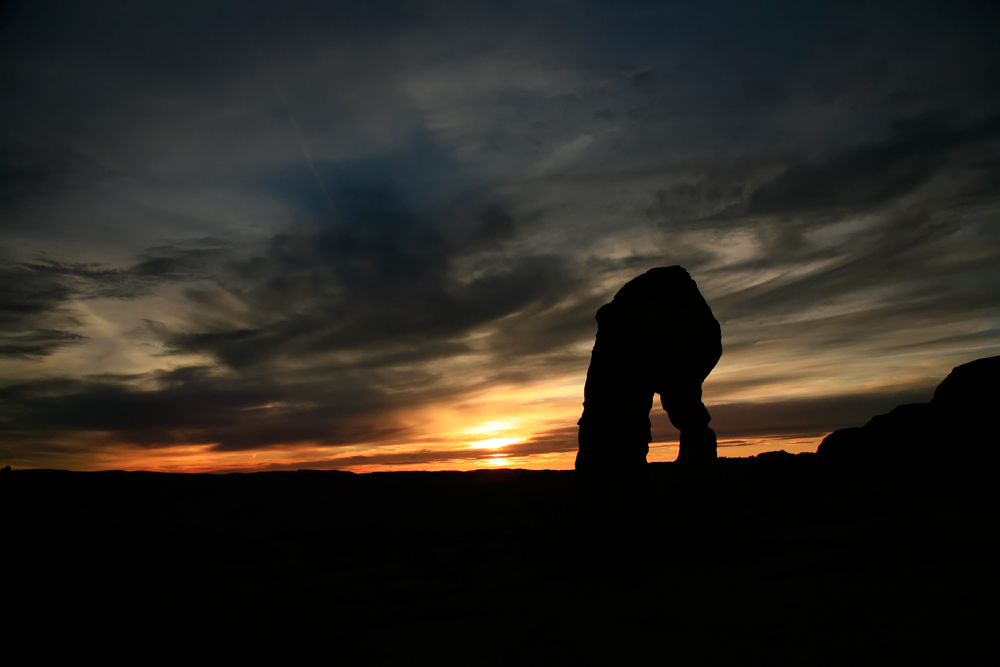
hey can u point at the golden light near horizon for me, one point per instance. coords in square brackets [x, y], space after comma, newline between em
[494, 443]
[493, 427]
[497, 462]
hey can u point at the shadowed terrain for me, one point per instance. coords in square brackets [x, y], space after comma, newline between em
[777, 556]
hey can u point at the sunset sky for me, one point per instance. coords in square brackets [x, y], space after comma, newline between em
[247, 235]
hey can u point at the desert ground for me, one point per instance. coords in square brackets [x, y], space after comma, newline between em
[785, 557]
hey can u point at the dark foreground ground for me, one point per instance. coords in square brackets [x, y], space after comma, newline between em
[779, 557]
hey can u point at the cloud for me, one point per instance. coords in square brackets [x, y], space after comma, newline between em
[32, 306]
[37, 302]
[185, 261]
[557, 440]
[196, 406]
[37, 343]
[871, 175]
[382, 293]
[802, 417]
[396, 269]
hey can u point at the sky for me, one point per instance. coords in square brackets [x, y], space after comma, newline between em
[246, 235]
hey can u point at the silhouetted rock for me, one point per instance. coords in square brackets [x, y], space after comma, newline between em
[658, 335]
[970, 388]
[778, 456]
[845, 443]
[956, 425]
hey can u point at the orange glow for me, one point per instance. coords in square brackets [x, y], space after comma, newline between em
[444, 455]
[480, 430]
[500, 461]
[494, 443]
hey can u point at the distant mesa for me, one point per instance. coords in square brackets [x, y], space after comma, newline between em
[958, 424]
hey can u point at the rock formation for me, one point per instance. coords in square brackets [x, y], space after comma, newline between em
[658, 335]
[957, 424]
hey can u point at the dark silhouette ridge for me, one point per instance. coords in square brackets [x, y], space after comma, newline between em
[657, 336]
[957, 425]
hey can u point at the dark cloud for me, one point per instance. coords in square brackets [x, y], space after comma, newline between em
[28, 293]
[809, 417]
[384, 279]
[24, 173]
[906, 270]
[378, 294]
[562, 439]
[181, 42]
[32, 304]
[193, 406]
[37, 343]
[870, 175]
[409, 180]
[186, 261]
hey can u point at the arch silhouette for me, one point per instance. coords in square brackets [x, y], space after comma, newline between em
[657, 336]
